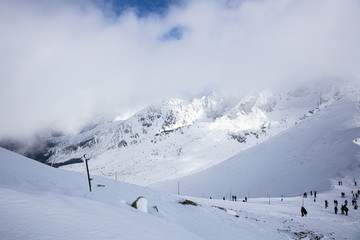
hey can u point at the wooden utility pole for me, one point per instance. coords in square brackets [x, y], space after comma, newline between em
[87, 170]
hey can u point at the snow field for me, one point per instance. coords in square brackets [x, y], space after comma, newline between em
[40, 202]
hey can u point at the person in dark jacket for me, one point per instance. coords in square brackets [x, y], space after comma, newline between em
[346, 210]
[335, 209]
[303, 211]
[326, 204]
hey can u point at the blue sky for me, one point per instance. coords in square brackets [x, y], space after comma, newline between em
[144, 7]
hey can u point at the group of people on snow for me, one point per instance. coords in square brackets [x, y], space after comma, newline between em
[303, 210]
[234, 198]
[344, 208]
[311, 193]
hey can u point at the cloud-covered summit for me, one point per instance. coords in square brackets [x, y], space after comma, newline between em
[64, 62]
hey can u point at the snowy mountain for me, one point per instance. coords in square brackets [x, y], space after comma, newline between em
[261, 147]
[180, 137]
[305, 156]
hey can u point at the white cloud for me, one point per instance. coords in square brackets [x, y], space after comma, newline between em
[63, 62]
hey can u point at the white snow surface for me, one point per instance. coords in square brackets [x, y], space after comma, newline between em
[40, 202]
[304, 156]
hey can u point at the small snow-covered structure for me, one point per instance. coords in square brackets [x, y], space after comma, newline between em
[357, 141]
[141, 204]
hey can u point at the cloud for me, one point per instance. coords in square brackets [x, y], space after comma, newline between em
[63, 63]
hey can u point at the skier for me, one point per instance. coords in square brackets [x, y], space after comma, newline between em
[315, 194]
[310, 193]
[326, 204]
[335, 209]
[355, 206]
[346, 202]
[303, 211]
[342, 209]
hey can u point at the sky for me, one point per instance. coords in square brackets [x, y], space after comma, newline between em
[65, 63]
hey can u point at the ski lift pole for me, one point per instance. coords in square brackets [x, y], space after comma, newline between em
[87, 170]
[302, 203]
[54, 158]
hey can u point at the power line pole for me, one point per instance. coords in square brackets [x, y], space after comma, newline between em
[87, 170]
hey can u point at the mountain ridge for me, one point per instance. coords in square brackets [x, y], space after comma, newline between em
[179, 137]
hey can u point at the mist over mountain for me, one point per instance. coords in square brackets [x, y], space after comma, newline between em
[180, 137]
[65, 63]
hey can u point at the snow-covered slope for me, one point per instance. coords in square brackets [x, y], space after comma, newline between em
[302, 157]
[180, 137]
[40, 202]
